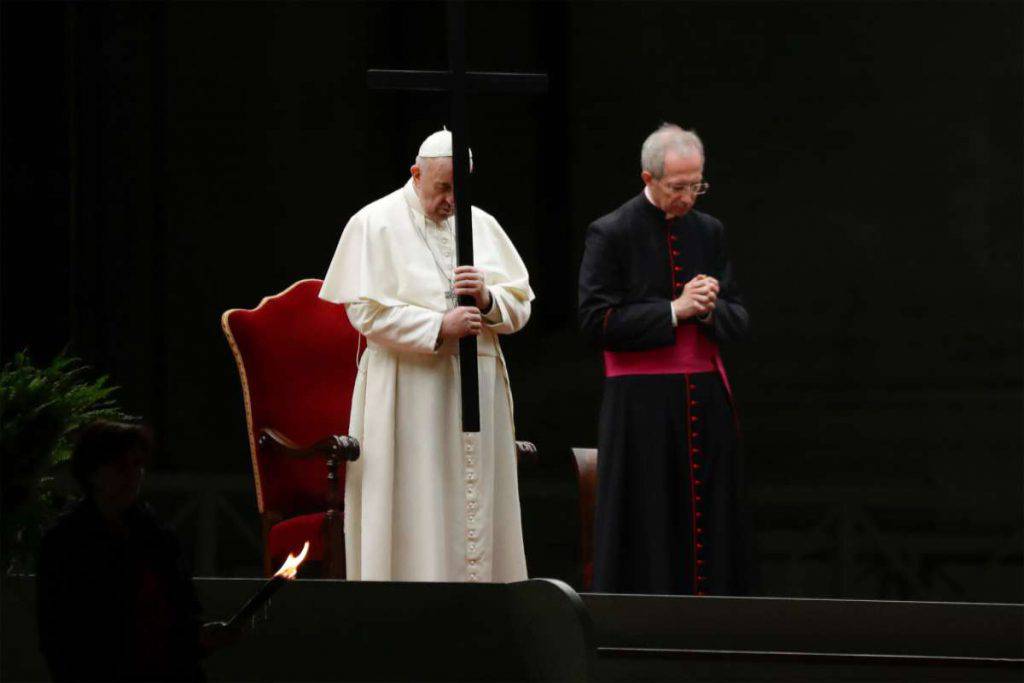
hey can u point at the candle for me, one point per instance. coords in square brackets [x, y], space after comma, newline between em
[288, 571]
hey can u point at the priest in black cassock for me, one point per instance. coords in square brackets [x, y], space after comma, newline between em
[658, 296]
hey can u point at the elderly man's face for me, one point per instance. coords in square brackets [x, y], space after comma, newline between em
[435, 187]
[673, 192]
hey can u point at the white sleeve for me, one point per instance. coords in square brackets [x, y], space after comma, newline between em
[504, 273]
[493, 316]
[510, 310]
[402, 328]
[672, 310]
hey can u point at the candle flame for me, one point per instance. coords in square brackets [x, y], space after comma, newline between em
[291, 566]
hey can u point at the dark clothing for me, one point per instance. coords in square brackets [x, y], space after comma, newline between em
[669, 518]
[649, 495]
[116, 605]
[626, 278]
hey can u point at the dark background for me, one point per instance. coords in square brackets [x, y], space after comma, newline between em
[165, 162]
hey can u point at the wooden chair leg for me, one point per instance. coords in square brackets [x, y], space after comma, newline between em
[334, 525]
[585, 460]
[334, 545]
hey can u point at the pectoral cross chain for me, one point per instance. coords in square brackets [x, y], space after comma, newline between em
[451, 298]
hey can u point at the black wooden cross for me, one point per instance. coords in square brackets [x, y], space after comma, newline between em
[459, 83]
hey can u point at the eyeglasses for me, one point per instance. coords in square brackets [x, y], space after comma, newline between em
[688, 188]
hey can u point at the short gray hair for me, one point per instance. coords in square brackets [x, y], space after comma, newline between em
[668, 137]
[423, 161]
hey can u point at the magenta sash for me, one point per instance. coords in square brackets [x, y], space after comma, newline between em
[693, 352]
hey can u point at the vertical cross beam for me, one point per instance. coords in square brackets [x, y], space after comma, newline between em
[459, 82]
[468, 367]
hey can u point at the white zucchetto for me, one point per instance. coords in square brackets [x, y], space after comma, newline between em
[439, 144]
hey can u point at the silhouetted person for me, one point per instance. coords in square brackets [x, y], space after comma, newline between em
[115, 600]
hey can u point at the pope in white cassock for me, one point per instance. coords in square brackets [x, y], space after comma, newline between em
[419, 507]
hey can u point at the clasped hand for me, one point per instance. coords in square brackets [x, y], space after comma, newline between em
[698, 298]
[463, 321]
[469, 281]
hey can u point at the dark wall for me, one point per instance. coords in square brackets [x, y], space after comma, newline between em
[165, 162]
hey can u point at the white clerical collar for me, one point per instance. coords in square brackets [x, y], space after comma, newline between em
[647, 194]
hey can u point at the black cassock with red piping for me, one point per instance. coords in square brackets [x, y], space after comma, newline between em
[671, 516]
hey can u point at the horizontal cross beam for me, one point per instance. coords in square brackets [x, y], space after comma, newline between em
[441, 81]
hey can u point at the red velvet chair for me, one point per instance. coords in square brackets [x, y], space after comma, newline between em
[297, 357]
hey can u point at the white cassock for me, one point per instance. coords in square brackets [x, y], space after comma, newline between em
[418, 506]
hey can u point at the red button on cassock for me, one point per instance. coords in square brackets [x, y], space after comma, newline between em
[693, 418]
[700, 563]
[693, 387]
[696, 466]
[696, 434]
[700, 546]
[675, 252]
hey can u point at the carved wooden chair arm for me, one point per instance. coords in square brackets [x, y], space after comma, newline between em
[333, 449]
[526, 453]
[336, 445]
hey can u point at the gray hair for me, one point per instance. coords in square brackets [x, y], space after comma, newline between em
[668, 137]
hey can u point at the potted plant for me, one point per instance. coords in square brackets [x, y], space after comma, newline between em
[40, 409]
